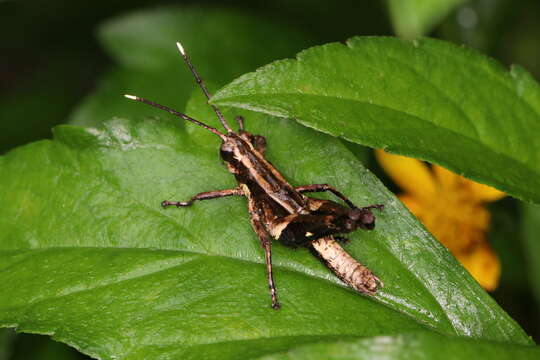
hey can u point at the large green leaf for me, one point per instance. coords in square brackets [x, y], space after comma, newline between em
[223, 43]
[419, 346]
[108, 271]
[427, 99]
[414, 18]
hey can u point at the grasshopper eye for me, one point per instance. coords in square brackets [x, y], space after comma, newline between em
[227, 147]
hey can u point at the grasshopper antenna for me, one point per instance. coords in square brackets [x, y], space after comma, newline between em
[203, 87]
[176, 113]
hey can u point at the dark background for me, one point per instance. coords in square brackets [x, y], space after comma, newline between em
[50, 59]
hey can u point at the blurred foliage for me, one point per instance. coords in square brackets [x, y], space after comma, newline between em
[149, 66]
[6, 336]
[34, 347]
[531, 235]
[52, 59]
[414, 18]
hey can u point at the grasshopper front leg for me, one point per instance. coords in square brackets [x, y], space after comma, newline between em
[256, 223]
[207, 195]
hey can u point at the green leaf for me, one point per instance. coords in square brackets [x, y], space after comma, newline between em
[152, 304]
[108, 271]
[223, 43]
[414, 18]
[426, 99]
[421, 345]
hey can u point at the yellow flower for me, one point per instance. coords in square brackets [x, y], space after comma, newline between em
[452, 208]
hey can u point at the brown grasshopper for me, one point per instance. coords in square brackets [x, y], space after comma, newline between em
[279, 210]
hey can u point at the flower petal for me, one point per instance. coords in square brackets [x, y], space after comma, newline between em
[447, 179]
[409, 174]
[481, 192]
[477, 192]
[482, 263]
[414, 206]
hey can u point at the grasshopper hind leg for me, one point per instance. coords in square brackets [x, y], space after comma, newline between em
[266, 243]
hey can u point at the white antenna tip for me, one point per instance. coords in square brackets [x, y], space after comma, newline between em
[130, 97]
[181, 49]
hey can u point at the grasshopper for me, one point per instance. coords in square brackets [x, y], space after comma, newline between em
[277, 209]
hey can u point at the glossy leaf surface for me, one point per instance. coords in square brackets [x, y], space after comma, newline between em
[110, 272]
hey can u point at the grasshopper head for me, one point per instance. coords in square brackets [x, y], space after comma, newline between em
[361, 218]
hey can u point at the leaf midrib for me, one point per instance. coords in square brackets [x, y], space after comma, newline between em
[202, 255]
[173, 220]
